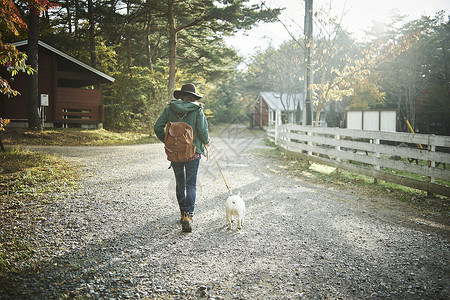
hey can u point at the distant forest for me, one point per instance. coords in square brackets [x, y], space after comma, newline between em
[153, 46]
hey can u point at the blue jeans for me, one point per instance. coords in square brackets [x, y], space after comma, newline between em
[186, 183]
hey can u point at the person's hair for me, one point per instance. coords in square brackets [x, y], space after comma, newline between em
[187, 97]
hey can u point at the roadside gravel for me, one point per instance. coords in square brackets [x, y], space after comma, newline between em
[119, 237]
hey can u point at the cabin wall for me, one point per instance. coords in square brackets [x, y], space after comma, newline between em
[78, 105]
[15, 107]
[261, 113]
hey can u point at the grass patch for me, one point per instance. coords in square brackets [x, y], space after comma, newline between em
[344, 179]
[324, 169]
[28, 173]
[415, 176]
[73, 137]
[26, 181]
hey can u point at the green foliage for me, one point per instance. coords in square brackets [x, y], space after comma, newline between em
[206, 55]
[226, 104]
[399, 65]
[222, 16]
[278, 70]
[416, 76]
[129, 102]
[366, 94]
[433, 111]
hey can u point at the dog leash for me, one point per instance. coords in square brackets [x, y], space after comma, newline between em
[229, 190]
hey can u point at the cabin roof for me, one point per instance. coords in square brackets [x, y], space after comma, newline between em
[276, 100]
[70, 58]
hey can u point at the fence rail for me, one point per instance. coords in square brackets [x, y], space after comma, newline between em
[388, 156]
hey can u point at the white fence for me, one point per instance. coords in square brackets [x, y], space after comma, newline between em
[376, 154]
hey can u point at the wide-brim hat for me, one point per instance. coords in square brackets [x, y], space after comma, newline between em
[187, 89]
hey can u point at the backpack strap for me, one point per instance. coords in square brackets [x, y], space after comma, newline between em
[180, 118]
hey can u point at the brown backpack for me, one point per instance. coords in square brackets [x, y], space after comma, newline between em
[179, 141]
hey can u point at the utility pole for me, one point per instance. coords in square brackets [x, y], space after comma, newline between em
[308, 44]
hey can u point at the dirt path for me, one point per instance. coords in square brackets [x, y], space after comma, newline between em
[119, 237]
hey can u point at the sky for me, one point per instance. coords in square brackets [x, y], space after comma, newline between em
[358, 16]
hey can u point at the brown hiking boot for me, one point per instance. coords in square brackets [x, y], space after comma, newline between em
[186, 222]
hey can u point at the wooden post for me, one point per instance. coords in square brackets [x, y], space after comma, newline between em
[261, 125]
[309, 133]
[277, 119]
[338, 148]
[431, 164]
[377, 155]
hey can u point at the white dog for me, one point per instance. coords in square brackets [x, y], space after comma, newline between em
[235, 207]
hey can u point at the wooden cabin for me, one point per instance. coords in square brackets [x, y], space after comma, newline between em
[292, 109]
[69, 90]
[267, 104]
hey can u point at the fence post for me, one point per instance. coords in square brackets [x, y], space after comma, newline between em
[309, 143]
[338, 148]
[377, 155]
[277, 120]
[431, 163]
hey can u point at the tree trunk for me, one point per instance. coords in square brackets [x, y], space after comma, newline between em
[128, 40]
[316, 122]
[32, 80]
[321, 101]
[399, 111]
[172, 50]
[77, 16]
[69, 16]
[148, 49]
[446, 73]
[92, 34]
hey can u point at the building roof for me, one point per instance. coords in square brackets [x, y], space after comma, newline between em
[276, 100]
[66, 56]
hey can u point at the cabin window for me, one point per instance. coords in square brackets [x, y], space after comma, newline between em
[76, 84]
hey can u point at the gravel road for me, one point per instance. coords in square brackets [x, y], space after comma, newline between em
[119, 236]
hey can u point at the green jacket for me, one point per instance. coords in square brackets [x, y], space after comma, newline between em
[194, 117]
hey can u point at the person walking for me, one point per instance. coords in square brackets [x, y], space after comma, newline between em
[186, 108]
